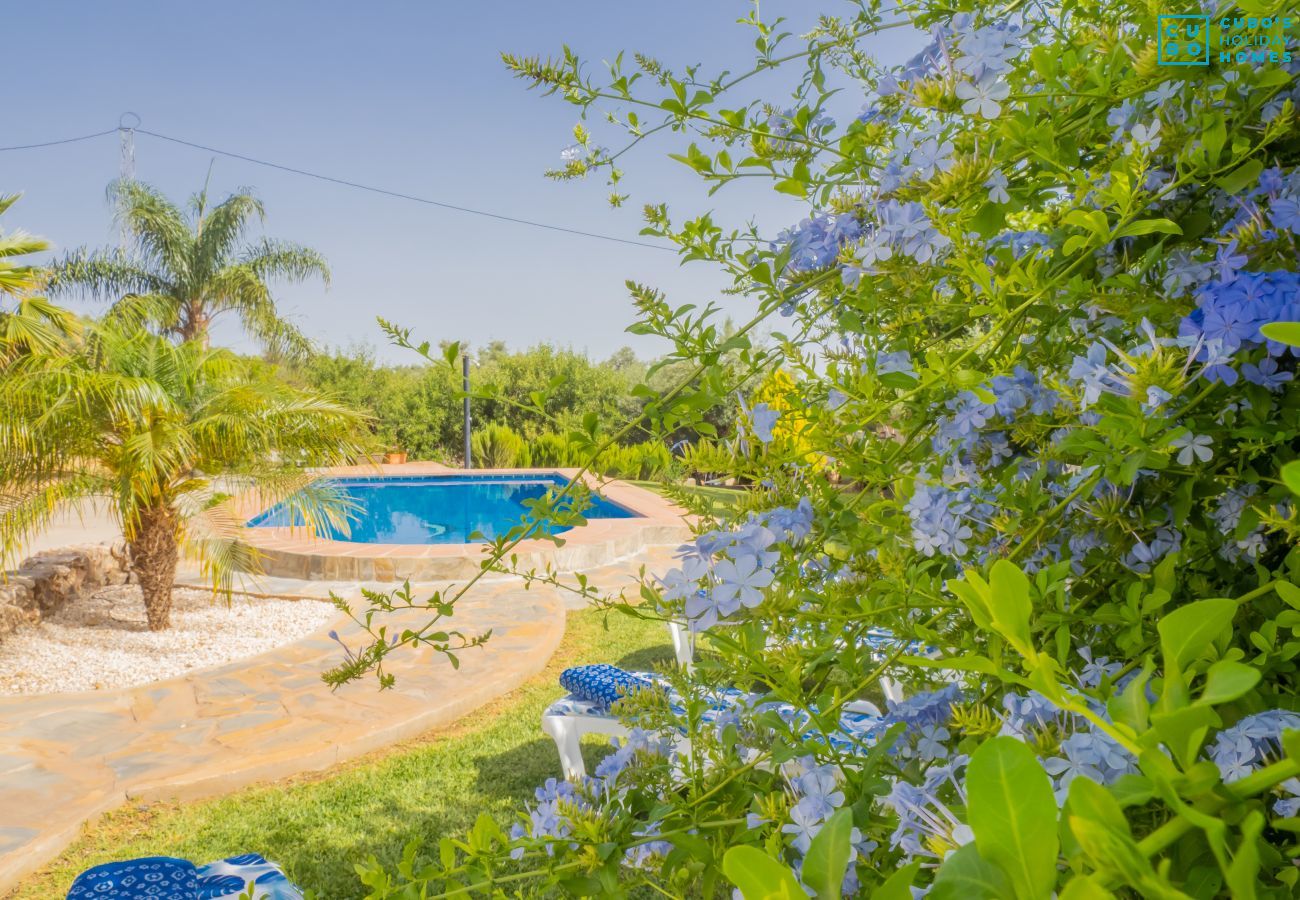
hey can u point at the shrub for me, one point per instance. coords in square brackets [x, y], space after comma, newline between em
[498, 447]
[550, 449]
[1038, 316]
[638, 461]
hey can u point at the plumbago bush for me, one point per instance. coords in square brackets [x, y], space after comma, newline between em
[1030, 320]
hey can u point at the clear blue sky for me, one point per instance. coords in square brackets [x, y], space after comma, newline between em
[409, 96]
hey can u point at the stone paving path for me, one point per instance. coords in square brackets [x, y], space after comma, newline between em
[67, 758]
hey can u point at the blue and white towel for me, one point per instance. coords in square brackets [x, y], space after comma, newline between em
[594, 688]
[167, 878]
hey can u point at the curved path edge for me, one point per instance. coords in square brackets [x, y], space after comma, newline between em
[66, 759]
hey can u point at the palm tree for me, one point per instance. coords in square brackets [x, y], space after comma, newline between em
[32, 323]
[186, 269]
[169, 432]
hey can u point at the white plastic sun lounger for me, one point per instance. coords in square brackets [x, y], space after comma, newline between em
[569, 718]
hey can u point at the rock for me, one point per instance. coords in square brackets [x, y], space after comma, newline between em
[47, 581]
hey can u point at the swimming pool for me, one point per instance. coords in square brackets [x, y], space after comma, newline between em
[441, 509]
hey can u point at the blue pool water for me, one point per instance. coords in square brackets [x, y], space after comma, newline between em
[444, 509]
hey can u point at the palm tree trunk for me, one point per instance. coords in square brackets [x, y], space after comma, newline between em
[154, 553]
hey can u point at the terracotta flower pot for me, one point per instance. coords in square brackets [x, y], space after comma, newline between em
[395, 457]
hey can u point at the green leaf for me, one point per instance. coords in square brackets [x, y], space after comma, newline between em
[965, 875]
[1148, 226]
[897, 886]
[1291, 476]
[1227, 680]
[1242, 176]
[792, 186]
[1084, 888]
[1188, 630]
[828, 856]
[1112, 850]
[1183, 730]
[1214, 133]
[1243, 873]
[1289, 593]
[759, 876]
[973, 591]
[1131, 707]
[1010, 605]
[1089, 800]
[1013, 813]
[1283, 332]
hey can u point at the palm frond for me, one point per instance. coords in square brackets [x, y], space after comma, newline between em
[292, 262]
[156, 424]
[241, 290]
[161, 232]
[34, 326]
[26, 508]
[104, 275]
[218, 232]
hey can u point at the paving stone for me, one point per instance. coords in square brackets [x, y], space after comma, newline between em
[65, 758]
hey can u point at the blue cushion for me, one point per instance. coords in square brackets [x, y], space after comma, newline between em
[602, 684]
[153, 877]
[165, 878]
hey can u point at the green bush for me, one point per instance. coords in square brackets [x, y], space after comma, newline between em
[540, 393]
[498, 447]
[1042, 314]
[550, 449]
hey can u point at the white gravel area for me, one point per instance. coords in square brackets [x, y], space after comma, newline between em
[101, 640]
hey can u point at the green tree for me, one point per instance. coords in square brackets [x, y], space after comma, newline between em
[167, 431]
[188, 267]
[27, 321]
[569, 384]
[413, 408]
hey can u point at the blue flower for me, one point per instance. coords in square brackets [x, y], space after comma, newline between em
[1122, 118]
[898, 361]
[764, 419]
[1192, 446]
[937, 515]
[983, 96]
[740, 583]
[1146, 138]
[1182, 271]
[1253, 742]
[997, 184]
[1218, 364]
[1285, 215]
[927, 827]
[1091, 754]
[1227, 261]
[795, 523]
[804, 825]
[930, 156]
[1092, 373]
[819, 791]
[1266, 374]
[816, 242]
[985, 51]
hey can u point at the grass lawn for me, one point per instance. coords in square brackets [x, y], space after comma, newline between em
[719, 500]
[317, 826]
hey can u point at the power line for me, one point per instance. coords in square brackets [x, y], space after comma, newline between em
[343, 182]
[84, 137]
[398, 194]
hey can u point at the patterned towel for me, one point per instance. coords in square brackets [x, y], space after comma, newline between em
[166, 878]
[595, 687]
[603, 684]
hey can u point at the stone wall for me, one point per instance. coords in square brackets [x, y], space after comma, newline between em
[46, 581]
